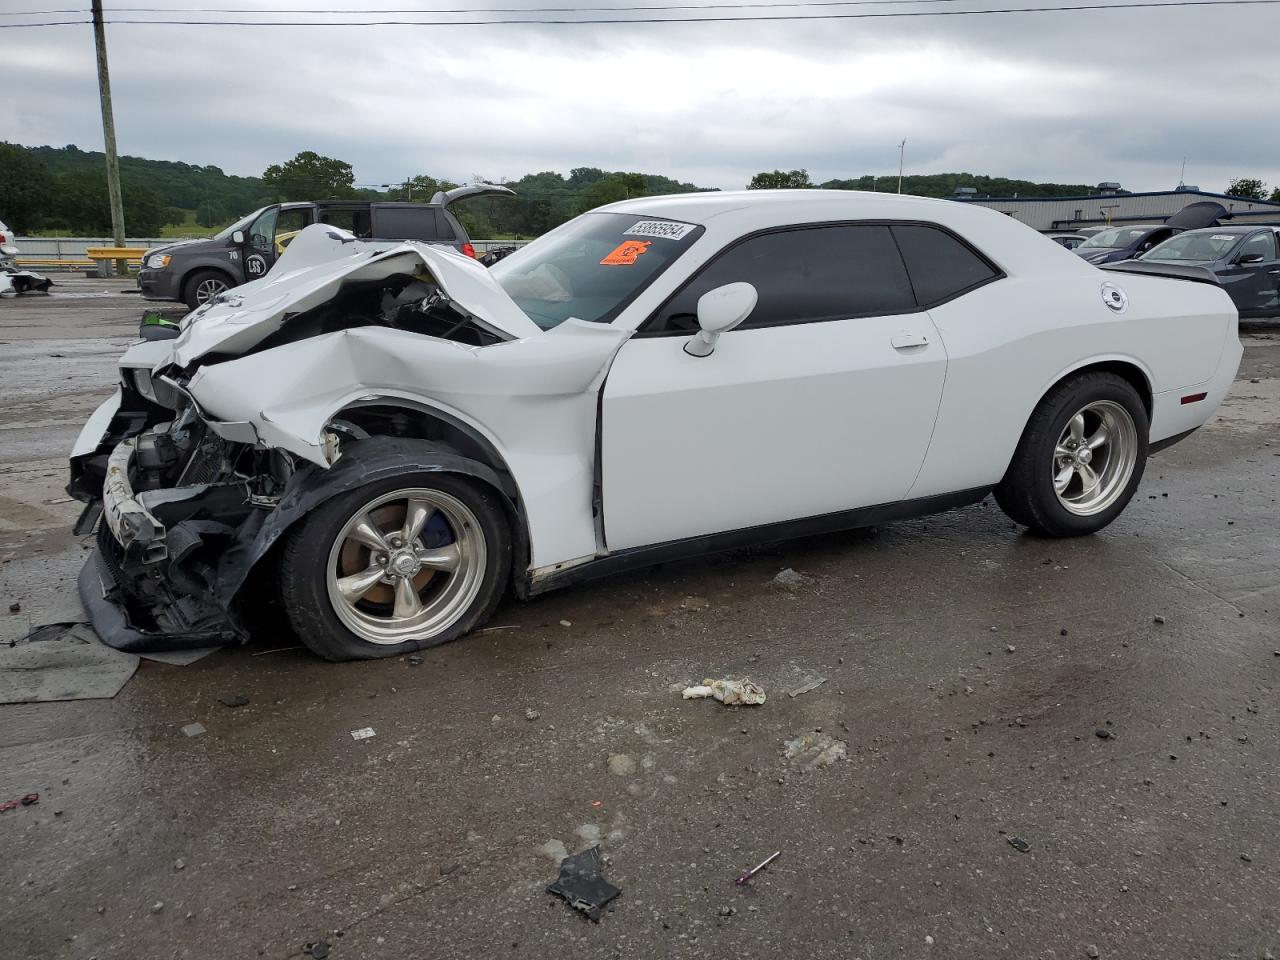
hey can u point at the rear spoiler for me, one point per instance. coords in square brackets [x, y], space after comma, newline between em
[446, 197]
[1155, 269]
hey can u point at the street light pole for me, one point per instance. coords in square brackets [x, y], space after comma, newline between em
[109, 133]
[902, 149]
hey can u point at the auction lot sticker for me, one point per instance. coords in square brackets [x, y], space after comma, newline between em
[665, 229]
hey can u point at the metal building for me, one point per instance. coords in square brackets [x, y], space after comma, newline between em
[1108, 206]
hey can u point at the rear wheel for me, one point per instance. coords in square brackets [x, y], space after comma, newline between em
[1080, 458]
[203, 285]
[406, 563]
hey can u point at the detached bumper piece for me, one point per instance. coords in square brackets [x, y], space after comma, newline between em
[151, 583]
[15, 281]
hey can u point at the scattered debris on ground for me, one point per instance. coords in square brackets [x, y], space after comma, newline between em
[811, 685]
[62, 661]
[364, 733]
[813, 750]
[318, 950]
[233, 700]
[531, 714]
[28, 800]
[555, 849]
[1019, 844]
[193, 729]
[621, 765]
[728, 692]
[744, 878]
[581, 885]
[790, 578]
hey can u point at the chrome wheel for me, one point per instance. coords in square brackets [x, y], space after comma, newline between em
[206, 290]
[406, 566]
[1094, 458]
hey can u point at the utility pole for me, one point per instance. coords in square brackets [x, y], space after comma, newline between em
[902, 149]
[109, 134]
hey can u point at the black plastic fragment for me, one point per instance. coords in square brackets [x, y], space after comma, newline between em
[1019, 844]
[581, 885]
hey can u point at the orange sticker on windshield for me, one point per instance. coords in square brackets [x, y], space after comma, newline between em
[625, 253]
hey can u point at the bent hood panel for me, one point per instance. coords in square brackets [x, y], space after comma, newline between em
[289, 392]
[311, 271]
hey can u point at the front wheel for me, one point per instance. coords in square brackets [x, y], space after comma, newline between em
[202, 286]
[1080, 458]
[406, 563]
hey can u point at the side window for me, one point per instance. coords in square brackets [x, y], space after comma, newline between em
[405, 223]
[263, 230]
[288, 224]
[351, 219]
[941, 267]
[1263, 243]
[803, 276]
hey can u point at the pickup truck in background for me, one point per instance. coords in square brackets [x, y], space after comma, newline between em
[192, 271]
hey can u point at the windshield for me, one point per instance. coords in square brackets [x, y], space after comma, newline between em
[1115, 237]
[1193, 246]
[241, 224]
[591, 267]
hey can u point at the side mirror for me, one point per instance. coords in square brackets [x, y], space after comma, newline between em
[719, 311]
[238, 238]
[1247, 258]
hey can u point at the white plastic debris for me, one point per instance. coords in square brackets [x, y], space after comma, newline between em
[790, 578]
[812, 750]
[364, 733]
[728, 692]
[193, 729]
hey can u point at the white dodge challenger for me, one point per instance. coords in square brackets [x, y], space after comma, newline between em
[388, 436]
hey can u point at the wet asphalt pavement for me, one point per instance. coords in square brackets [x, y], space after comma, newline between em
[972, 670]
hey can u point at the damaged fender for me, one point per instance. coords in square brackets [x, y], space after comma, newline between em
[379, 458]
[536, 398]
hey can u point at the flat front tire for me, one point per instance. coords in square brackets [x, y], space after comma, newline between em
[1080, 458]
[406, 563]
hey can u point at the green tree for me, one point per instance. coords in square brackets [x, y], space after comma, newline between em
[1247, 187]
[26, 188]
[174, 216]
[611, 189]
[1275, 195]
[780, 180]
[309, 176]
[210, 213]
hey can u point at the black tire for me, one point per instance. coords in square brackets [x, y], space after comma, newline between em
[1027, 494]
[304, 587]
[191, 286]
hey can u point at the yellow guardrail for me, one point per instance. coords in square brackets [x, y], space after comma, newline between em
[132, 254]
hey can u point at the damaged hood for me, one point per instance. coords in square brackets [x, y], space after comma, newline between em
[310, 272]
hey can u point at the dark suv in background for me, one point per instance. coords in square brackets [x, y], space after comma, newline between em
[192, 271]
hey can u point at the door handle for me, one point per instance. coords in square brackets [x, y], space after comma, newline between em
[904, 341]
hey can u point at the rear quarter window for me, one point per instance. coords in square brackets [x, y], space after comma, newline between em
[941, 266]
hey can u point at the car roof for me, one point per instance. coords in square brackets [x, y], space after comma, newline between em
[859, 204]
[1235, 228]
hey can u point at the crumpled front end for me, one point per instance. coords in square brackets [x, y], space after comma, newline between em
[172, 503]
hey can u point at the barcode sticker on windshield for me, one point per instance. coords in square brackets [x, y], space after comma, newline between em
[666, 229]
[1219, 236]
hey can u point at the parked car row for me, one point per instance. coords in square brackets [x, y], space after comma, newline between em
[1243, 260]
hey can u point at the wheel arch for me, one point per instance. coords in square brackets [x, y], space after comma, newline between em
[383, 456]
[1127, 368]
[198, 268]
[388, 416]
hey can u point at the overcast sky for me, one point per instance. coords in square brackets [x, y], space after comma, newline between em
[1073, 97]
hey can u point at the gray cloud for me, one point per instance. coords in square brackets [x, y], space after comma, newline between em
[1081, 97]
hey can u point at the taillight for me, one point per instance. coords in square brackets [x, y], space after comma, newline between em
[469, 250]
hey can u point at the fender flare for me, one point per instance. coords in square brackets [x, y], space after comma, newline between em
[311, 486]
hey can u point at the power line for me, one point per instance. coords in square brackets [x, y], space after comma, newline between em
[1152, 4]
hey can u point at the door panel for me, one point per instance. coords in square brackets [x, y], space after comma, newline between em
[779, 423]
